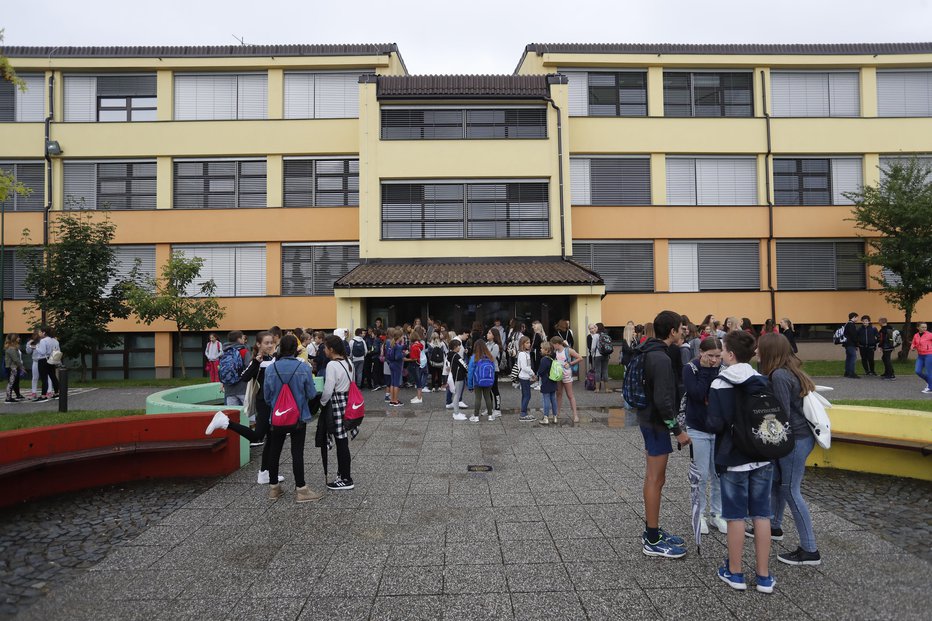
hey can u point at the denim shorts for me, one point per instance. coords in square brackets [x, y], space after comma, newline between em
[395, 369]
[746, 494]
[656, 443]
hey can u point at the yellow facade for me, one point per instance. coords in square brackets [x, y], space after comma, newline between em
[275, 138]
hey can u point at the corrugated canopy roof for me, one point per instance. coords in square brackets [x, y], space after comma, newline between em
[469, 273]
[467, 86]
[199, 51]
[730, 48]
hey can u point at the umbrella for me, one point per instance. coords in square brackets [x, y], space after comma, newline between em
[695, 496]
[322, 437]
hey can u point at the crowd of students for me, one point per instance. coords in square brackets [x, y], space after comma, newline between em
[46, 355]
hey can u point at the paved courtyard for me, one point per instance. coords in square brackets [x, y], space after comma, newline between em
[552, 532]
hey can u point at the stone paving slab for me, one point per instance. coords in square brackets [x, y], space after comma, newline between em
[551, 533]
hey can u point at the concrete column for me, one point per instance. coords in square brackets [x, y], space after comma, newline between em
[868, 91]
[871, 170]
[276, 92]
[658, 179]
[163, 183]
[163, 355]
[351, 313]
[273, 268]
[274, 181]
[661, 265]
[655, 91]
[165, 86]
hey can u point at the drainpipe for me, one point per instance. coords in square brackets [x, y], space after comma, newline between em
[773, 295]
[48, 171]
[560, 174]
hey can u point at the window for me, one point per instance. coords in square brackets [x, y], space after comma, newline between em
[27, 106]
[458, 123]
[604, 93]
[711, 181]
[311, 269]
[109, 185]
[820, 265]
[321, 95]
[888, 160]
[706, 94]
[475, 210]
[714, 265]
[90, 98]
[209, 97]
[321, 183]
[623, 265]
[14, 274]
[31, 175]
[610, 180]
[815, 93]
[815, 181]
[237, 270]
[219, 184]
[133, 357]
[125, 261]
[904, 93]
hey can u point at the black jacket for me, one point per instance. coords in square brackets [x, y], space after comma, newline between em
[791, 337]
[851, 334]
[697, 380]
[867, 337]
[660, 379]
[886, 338]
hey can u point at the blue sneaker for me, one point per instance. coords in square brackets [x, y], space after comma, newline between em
[673, 539]
[765, 584]
[735, 581]
[664, 548]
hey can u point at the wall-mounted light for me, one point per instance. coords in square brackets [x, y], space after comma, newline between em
[53, 148]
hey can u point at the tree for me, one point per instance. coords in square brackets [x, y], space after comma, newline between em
[899, 209]
[168, 298]
[76, 283]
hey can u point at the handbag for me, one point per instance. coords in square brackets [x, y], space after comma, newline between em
[249, 399]
[814, 406]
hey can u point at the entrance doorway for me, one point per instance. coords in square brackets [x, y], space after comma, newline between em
[460, 313]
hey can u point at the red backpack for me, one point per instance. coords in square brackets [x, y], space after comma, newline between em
[286, 412]
[355, 404]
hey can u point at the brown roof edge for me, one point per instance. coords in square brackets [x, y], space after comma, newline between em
[505, 86]
[201, 51]
[729, 48]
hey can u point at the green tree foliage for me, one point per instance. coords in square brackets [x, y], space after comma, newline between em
[72, 283]
[8, 183]
[167, 298]
[899, 210]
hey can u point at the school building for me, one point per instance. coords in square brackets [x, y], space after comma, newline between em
[324, 186]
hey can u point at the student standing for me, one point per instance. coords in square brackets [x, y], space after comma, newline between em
[790, 386]
[297, 375]
[746, 482]
[234, 391]
[13, 363]
[787, 330]
[922, 343]
[456, 381]
[419, 373]
[657, 421]
[480, 362]
[336, 393]
[436, 355]
[885, 341]
[394, 356]
[494, 343]
[867, 344]
[48, 345]
[538, 337]
[358, 350]
[31, 346]
[548, 388]
[525, 375]
[850, 332]
[599, 360]
[212, 353]
[567, 357]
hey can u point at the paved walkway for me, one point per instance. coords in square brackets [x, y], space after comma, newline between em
[551, 533]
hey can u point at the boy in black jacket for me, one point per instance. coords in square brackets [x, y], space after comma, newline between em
[657, 421]
[886, 348]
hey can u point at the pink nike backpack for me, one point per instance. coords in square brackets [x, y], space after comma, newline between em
[286, 412]
[355, 405]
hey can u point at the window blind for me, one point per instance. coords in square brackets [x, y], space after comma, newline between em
[578, 86]
[312, 269]
[610, 181]
[580, 185]
[31, 175]
[623, 265]
[23, 106]
[805, 181]
[707, 94]
[617, 93]
[714, 265]
[815, 93]
[14, 274]
[110, 184]
[507, 211]
[459, 123]
[711, 181]
[125, 261]
[846, 177]
[887, 161]
[221, 184]
[326, 95]
[80, 93]
[205, 97]
[904, 93]
[237, 270]
[820, 265]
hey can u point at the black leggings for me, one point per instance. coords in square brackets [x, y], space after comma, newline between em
[277, 439]
[436, 377]
[867, 359]
[46, 372]
[344, 460]
[259, 434]
[496, 396]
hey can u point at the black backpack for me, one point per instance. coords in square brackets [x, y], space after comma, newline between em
[436, 356]
[761, 429]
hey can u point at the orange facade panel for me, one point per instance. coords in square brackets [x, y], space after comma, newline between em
[669, 222]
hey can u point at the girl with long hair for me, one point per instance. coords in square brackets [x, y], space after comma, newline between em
[538, 336]
[480, 351]
[787, 330]
[494, 342]
[13, 363]
[790, 386]
[566, 356]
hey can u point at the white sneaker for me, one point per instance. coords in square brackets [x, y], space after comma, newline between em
[449, 406]
[544, 420]
[926, 391]
[463, 405]
[719, 523]
[263, 478]
[427, 390]
[416, 400]
[474, 419]
[459, 416]
[495, 414]
[219, 421]
[703, 526]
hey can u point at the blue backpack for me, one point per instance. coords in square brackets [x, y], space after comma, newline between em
[231, 365]
[634, 389]
[359, 349]
[485, 373]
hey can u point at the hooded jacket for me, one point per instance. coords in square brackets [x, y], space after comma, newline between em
[721, 414]
[661, 387]
[358, 338]
[922, 343]
[697, 380]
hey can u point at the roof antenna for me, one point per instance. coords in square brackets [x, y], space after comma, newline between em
[240, 39]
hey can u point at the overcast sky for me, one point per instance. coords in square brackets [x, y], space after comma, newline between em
[469, 36]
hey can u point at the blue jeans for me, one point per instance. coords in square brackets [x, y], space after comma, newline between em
[851, 357]
[550, 403]
[787, 481]
[420, 377]
[704, 456]
[525, 395]
[233, 400]
[746, 494]
[924, 369]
